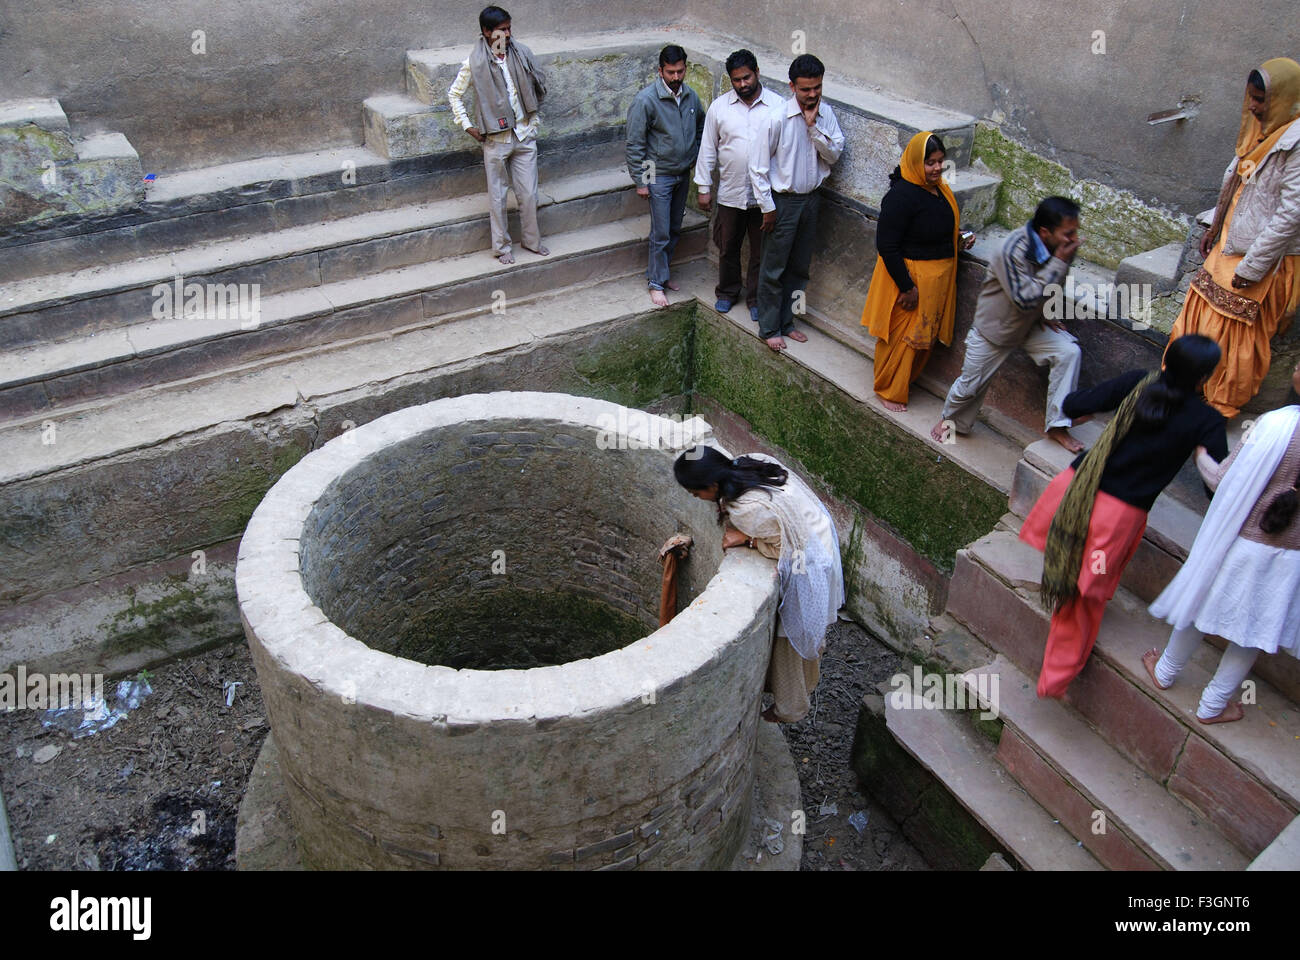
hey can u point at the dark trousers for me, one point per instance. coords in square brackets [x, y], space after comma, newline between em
[787, 254]
[731, 226]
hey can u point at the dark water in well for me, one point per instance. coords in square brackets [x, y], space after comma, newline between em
[516, 629]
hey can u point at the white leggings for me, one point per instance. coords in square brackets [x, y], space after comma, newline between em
[1233, 667]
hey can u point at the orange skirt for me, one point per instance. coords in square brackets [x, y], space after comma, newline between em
[1241, 321]
[904, 337]
[1114, 534]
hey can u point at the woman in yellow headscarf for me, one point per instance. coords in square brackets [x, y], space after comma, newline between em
[1250, 283]
[913, 294]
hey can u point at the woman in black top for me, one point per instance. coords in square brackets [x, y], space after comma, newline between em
[1090, 519]
[913, 294]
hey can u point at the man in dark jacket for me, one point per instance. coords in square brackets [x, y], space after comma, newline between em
[664, 125]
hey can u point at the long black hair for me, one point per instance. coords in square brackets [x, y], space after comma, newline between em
[1187, 360]
[701, 467]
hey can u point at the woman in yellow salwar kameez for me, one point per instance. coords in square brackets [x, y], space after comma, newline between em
[913, 293]
[1249, 286]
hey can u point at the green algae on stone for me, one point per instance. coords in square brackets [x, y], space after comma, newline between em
[639, 364]
[1115, 223]
[153, 623]
[236, 494]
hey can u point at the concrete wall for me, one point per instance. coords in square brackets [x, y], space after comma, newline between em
[283, 78]
[1031, 61]
[276, 77]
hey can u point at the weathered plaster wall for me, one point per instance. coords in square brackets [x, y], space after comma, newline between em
[275, 78]
[1031, 62]
[283, 78]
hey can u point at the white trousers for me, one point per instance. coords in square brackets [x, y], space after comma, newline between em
[510, 163]
[1233, 667]
[1044, 345]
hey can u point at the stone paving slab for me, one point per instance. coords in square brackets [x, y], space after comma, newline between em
[966, 765]
[203, 258]
[1166, 830]
[145, 418]
[1283, 853]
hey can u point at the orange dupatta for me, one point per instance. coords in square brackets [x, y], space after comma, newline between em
[883, 292]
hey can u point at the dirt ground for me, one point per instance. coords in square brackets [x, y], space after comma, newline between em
[822, 745]
[161, 789]
[158, 791]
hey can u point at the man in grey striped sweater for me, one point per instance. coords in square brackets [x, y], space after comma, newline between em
[1009, 314]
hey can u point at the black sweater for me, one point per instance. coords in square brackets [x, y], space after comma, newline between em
[914, 224]
[1147, 459]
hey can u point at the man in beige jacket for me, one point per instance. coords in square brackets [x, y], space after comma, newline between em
[1009, 314]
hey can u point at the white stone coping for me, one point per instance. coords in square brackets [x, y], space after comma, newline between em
[300, 638]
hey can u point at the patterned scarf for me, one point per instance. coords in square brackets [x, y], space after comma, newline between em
[1063, 554]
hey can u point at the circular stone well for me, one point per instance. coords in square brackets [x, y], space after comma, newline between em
[453, 613]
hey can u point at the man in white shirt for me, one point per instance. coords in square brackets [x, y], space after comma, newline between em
[791, 156]
[508, 89]
[725, 145]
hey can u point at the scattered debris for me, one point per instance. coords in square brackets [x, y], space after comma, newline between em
[46, 753]
[773, 843]
[94, 714]
[858, 821]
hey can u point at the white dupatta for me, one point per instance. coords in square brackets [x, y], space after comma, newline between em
[810, 574]
[1261, 452]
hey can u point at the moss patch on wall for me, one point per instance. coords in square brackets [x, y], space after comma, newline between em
[930, 502]
[1115, 223]
[182, 609]
[639, 364]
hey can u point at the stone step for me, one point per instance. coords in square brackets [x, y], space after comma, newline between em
[1283, 853]
[56, 306]
[250, 197]
[965, 762]
[188, 460]
[1079, 778]
[1244, 776]
[41, 381]
[986, 454]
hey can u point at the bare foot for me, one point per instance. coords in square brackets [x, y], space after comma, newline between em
[770, 715]
[672, 286]
[658, 298]
[1149, 661]
[1230, 713]
[776, 343]
[797, 336]
[541, 251]
[891, 405]
[506, 257]
[941, 431]
[1062, 436]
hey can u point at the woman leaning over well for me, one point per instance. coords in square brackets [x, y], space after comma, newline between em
[912, 298]
[765, 507]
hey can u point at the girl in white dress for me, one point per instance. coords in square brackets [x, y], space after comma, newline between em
[765, 507]
[1241, 580]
